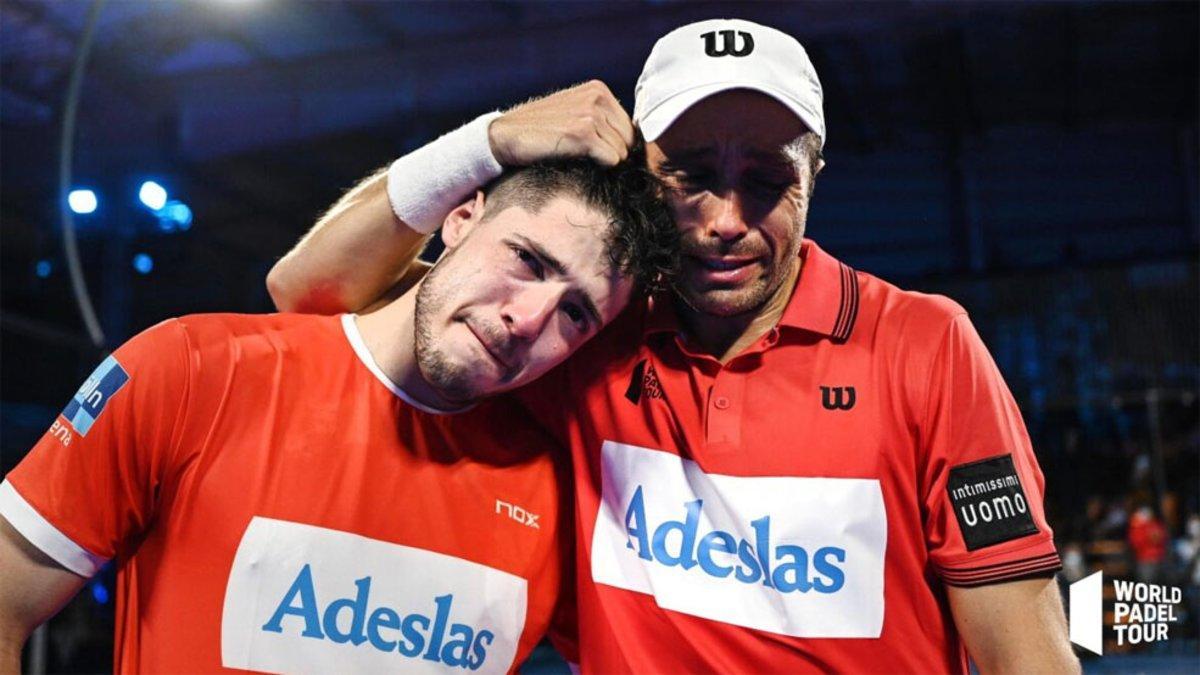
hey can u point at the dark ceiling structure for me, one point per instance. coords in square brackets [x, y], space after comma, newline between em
[964, 138]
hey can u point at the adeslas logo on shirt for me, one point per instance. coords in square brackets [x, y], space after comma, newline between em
[783, 567]
[791, 555]
[353, 620]
[302, 598]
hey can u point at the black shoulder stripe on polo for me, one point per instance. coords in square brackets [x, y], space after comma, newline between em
[634, 392]
[848, 311]
[1036, 567]
[1043, 573]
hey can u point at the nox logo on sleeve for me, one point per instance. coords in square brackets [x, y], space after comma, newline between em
[309, 599]
[795, 556]
[989, 503]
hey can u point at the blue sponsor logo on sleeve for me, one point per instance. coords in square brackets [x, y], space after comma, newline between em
[104, 382]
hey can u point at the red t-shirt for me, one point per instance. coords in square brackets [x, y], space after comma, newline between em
[274, 503]
[800, 507]
[1147, 536]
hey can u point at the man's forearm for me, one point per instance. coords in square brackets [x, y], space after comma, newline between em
[1014, 627]
[33, 587]
[354, 254]
[12, 640]
[361, 249]
[10, 654]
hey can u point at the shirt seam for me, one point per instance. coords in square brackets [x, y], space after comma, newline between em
[1040, 541]
[933, 371]
[1032, 573]
[185, 405]
[983, 570]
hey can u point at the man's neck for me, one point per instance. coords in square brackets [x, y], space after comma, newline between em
[724, 337]
[390, 336]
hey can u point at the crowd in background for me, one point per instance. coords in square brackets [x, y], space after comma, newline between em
[1137, 521]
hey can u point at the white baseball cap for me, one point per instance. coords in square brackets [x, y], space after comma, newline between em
[701, 59]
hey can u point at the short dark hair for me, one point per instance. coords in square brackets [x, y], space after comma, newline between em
[642, 240]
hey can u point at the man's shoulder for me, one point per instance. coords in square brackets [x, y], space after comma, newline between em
[259, 332]
[907, 314]
[216, 343]
[283, 324]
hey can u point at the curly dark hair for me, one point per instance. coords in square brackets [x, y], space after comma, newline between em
[642, 241]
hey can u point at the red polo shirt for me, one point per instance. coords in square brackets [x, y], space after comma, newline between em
[275, 503]
[801, 506]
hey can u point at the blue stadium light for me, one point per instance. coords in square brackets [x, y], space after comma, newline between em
[153, 195]
[99, 593]
[82, 201]
[175, 215]
[143, 263]
[181, 214]
[43, 268]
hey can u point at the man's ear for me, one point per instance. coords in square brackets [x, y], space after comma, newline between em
[462, 220]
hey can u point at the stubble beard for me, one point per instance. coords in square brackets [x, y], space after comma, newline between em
[730, 302]
[451, 380]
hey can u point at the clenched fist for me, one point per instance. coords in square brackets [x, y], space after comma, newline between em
[583, 121]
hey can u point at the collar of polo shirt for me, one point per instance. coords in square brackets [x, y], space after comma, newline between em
[825, 300]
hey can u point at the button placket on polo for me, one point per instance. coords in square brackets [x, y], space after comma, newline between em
[727, 396]
[723, 431]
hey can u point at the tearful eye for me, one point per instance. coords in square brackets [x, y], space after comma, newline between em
[769, 185]
[696, 179]
[530, 261]
[575, 313]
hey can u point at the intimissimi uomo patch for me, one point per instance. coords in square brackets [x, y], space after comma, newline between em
[989, 502]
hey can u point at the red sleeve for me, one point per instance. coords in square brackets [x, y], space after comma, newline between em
[86, 491]
[983, 488]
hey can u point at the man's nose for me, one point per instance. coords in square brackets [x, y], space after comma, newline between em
[526, 313]
[724, 216]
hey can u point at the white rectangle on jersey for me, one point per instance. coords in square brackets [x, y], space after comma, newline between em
[286, 576]
[814, 514]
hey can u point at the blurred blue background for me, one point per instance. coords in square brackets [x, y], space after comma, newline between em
[1035, 161]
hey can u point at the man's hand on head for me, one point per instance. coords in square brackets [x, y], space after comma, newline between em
[355, 252]
[583, 121]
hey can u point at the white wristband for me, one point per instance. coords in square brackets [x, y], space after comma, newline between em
[427, 183]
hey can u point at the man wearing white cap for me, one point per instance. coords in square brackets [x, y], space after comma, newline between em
[786, 465]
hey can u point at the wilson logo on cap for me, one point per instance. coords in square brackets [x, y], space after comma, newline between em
[678, 75]
[729, 40]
